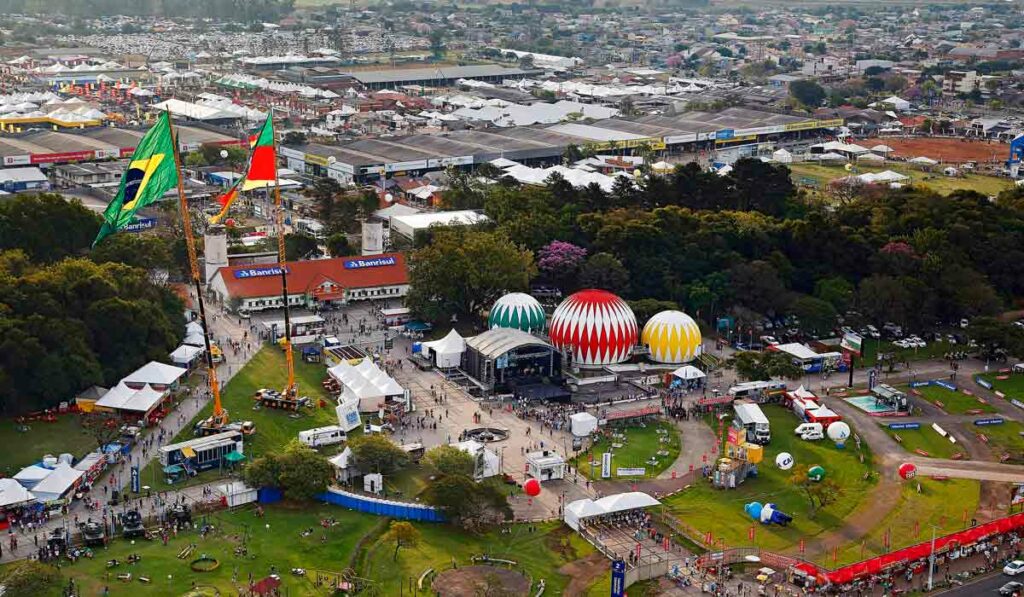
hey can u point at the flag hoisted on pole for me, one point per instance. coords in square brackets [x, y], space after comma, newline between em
[260, 172]
[150, 174]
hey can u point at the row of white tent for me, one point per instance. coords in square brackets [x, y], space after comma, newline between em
[365, 383]
[580, 510]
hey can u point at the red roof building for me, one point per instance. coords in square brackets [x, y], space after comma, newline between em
[337, 280]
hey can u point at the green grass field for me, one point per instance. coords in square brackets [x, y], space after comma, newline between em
[274, 428]
[539, 554]
[1012, 386]
[1005, 439]
[721, 511]
[21, 449]
[928, 440]
[280, 545]
[640, 444]
[936, 181]
[940, 503]
[954, 403]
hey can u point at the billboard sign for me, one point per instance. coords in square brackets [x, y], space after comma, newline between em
[140, 224]
[365, 263]
[852, 343]
[259, 272]
[618, 578]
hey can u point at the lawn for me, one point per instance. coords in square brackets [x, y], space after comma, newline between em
[926, 439]
[274, 428]
[639, 445]
[940, 503]
[281, 545]
[22, 448]
[539, 553]
[1005, 439]
[954, 403]
[872, 347]
[1012, 386]
[721, 511]
[936, 181]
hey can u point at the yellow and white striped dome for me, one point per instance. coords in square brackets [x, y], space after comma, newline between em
[672, 337]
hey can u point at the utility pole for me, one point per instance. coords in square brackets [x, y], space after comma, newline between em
[931, 560]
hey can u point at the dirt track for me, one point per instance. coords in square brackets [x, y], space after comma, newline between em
[943, 149]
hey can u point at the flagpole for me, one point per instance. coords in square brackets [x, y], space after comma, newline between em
[290, 393]
[219, 415]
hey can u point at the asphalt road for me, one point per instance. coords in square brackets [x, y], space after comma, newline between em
[987, 585]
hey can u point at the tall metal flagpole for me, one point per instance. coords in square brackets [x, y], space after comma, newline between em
[219, 416]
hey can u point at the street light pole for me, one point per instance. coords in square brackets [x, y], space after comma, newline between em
[931, 560]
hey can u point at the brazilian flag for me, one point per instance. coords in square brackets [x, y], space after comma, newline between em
[151, 173]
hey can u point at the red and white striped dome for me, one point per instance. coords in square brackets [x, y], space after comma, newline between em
[597, 327]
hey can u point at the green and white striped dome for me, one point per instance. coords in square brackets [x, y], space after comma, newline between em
[517, 310]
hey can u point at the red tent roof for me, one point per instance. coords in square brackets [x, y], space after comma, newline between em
[923, 550]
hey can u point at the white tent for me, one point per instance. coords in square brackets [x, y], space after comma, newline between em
[923, 161]
[487, 462]
[57, 483]
[185, 354]
[367, 383]
[30, 476]
[13, 493]
[582, 424]
[620, 502]
[688, 372]
[193, 327]
[237, 493]
[124, 398]
[782, 156]
[829, 157]
[343, 467]
[882, 149]
[870, 157]
[447, 352]
[155, 373]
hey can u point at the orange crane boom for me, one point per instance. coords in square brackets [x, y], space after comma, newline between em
[220, 416]
[290, 391]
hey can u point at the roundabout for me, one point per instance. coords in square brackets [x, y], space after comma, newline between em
[204, 564]
[479, 580]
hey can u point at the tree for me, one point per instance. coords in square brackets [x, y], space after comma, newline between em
[816, 315]
[301, 471]
[819, 494]
[462, 191]
[757, 366]
[760, 186]
[28, 578]
[526, 62]
[299, 246]
[885, 298]
[46, 226]
[836, 290]
[994, 337]
[808, 93]
[464, 270]
[468, 503]
[645, 309]
[604, 271]
[304, 472]
[402, 534]
[437, 44]
[375, 453]
[338, 245]
[449, 460]
[560, 262]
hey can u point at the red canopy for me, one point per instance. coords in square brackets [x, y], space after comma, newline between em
[922, 550]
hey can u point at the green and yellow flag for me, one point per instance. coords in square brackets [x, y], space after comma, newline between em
[151, 173]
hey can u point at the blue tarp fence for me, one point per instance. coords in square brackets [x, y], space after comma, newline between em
[381, 507]
[269, 495]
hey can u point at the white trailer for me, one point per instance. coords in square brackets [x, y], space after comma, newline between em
[750, 418]
[323, 436]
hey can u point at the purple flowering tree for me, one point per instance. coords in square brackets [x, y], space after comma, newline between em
[560, 261]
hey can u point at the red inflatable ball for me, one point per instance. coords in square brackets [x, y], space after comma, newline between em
[908, 470]
[532, 488]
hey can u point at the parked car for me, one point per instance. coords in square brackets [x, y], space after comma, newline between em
[1012, 588]
[873, 332]
[812, 435]
[1014, 568]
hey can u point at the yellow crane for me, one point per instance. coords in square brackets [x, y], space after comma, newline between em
[219, 419]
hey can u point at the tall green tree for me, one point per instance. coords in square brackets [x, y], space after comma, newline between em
[463, 271]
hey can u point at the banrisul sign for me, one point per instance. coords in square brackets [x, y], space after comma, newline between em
[140, 224]
[375, 262]
[259, 272]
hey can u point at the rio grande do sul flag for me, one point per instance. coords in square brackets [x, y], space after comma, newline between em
[151, 173]
[261, 171]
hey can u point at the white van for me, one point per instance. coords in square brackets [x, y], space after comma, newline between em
[803, 428]
[323, 436]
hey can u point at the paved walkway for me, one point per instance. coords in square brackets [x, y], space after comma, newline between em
[225, 328]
